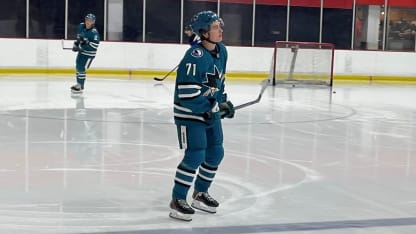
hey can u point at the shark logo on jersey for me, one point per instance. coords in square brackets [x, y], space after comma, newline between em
[197, 53]
[211, 81]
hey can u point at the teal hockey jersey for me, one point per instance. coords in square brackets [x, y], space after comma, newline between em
[87, 40]
[199, 83]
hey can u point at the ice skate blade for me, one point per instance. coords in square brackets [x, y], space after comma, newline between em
[201, 206]
[76, 93]
[180, 216]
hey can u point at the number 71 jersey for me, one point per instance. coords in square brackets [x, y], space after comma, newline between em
[199, 82]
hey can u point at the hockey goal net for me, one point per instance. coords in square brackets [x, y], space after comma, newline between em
[302, 63]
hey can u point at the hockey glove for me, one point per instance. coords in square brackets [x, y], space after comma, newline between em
[213, 114]
[75, 47]
[227, 109]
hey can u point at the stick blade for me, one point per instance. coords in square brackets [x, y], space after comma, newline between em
[158, 79]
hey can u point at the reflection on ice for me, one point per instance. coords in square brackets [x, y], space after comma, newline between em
[304, 159]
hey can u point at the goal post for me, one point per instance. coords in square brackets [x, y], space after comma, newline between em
[309, 63]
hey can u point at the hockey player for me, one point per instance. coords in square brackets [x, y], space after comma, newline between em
[86, 45]
[199, 104]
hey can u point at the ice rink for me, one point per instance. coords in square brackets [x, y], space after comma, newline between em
[303, 160]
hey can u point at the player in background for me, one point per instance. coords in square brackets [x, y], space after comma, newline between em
[193, 38]
[86, 45]
[200, 103]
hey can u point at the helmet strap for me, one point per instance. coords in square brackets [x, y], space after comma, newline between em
[206, 39]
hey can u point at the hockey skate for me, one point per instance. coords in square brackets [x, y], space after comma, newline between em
[179, 209]
[203, 201]
[76, 89]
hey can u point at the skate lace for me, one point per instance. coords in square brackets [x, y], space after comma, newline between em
[208, 197]
[184, 204]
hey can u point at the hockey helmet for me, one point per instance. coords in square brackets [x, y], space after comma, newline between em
[91, 17]
[201, 22]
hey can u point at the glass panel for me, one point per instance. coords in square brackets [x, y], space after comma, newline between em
[238, 21]
[124, 20]
[191, 7]
[133, 20]
[299, 18]
[369, 24]
[401, 28]
[13, 18]
[337, 27]
[163, 21]
[270, 24]
[359, 42]
[47, 19]
[78, 9]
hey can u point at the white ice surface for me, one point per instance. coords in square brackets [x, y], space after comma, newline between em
[303, 160]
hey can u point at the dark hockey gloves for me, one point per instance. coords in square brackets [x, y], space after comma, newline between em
[227, 109]
[75, 46]
[213, 114]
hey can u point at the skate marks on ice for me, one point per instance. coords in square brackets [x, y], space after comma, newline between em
[105, 162]
[320, 227]
[249, 185]
[79, 189]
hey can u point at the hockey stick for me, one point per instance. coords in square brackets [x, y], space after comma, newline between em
[161, 79]
[63, 45]
[264, 85]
